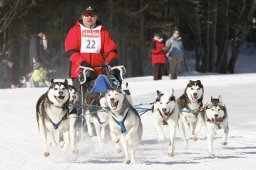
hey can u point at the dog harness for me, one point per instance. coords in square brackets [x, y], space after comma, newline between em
[121, 123]
[56, 125]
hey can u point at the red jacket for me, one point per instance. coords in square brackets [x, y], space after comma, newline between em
[158, 56]
[73, 45]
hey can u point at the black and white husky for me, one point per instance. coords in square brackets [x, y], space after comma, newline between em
[216, 117]
[53, 117]
[165, 108]
[125, 124]
[191, 109]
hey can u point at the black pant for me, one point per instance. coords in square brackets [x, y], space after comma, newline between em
[83, 89]
[158, 71]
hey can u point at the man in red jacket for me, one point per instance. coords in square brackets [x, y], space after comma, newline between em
[89, 44]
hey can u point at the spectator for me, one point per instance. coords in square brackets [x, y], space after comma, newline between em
[175, 54]
[158, 56]
[89, 44]
[38, 75]
[37, 50]
[5, 72]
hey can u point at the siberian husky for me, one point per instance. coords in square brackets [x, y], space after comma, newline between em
[190, 106]
[125, 124]
[216, 117]
[53, 116]
[99, 116]
[73, 96]
[165, 108]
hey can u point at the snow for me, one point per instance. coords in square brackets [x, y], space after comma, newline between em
[21, 146]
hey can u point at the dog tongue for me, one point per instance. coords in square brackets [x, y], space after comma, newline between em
[165, 116]
[59, 99]
[114, 104]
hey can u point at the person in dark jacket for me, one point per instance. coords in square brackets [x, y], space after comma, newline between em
[5, 72]
[158, 56]
[37, 50]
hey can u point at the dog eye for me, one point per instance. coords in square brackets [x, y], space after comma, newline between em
[192, 88]
[212, 109]
[160, 102]
[218, 109]
[55, 88]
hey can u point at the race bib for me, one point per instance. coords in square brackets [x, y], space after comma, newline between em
[90, 40]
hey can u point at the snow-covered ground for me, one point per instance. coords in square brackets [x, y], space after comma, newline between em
[21, 146]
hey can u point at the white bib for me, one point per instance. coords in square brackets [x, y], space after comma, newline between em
[90, 40]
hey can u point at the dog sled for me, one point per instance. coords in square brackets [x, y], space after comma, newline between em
[98, 88]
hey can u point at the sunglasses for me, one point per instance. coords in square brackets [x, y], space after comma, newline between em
[90, 15]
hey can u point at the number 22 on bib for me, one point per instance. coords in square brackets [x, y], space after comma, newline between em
[90, 40]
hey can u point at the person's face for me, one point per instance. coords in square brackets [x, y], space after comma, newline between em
[176, 34]
[89, 19]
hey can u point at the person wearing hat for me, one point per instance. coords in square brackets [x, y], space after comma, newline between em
[89, 44]
[5, 72]
[158, 56]
[38, 75]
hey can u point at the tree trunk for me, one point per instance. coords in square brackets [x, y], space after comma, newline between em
[221, 65]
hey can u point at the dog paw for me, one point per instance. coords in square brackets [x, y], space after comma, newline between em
[90, 133]
[194, 138]
[211, 154]
[161, 139]
[170, 154]
[75, 151]
[127, 161]
[224, 143]
[61, 144]
[46, 154]
[118, 150]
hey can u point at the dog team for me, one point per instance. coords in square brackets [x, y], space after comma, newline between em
[57, 117]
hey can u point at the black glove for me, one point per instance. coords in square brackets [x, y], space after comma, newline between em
[90, 75]
[85, 64]
[116, 74]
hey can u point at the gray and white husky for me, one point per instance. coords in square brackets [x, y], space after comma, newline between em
[191, 109]
[216, 118]
[165, 109]
[53, 117]
[125, 124]
[100, 116]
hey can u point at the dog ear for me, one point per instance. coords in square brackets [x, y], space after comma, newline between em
[220, 99]
[172, 91]
[66, 81]
[52, 81]
[158, 95]
[198, 81]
